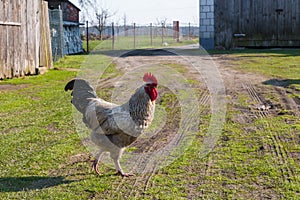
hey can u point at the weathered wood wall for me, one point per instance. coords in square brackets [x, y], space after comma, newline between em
[266, 23]
[24, 37]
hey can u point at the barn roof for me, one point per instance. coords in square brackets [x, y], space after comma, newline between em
[53, 4]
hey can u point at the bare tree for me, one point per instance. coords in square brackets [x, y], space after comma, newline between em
[85, 4]
[102, 16]
[124, 19]
[162, 22]
[124, 23]
[99, 16]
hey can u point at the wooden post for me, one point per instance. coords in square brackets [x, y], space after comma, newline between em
[176, 31]
[162, 33]
[151, 38]
[87, 36]
[113, 35]
[189, 30]
[134, 42]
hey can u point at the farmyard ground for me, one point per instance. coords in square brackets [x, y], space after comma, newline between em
[256, 157]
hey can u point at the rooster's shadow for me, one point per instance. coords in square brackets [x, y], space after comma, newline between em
[17, 184]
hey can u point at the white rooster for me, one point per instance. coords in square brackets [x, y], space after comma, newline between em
[114, 127]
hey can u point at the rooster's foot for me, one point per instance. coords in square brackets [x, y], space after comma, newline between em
[95, 166]
[124, 174]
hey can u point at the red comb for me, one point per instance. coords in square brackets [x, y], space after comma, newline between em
[149, 78]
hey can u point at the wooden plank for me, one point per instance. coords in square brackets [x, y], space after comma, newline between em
[26, 39]
[295, 8]
[45, 46]
[258, 6]
[14, 42]
[296, 19]
[9, 38]
[286, 21]
[48, 36]
[17, 41]
[5, 29]
[29, 37]
[43, 54]
[23, 36]
[37, 22]
[2, 41]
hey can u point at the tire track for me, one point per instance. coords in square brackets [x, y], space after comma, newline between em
[205, 98]
[278, 150]
[261, 108]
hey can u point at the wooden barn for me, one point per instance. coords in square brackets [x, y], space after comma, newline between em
[64, 25]
[249, 23]
[24, 38]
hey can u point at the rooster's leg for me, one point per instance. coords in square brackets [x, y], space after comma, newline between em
[95, 164]
[116, 156]
[120, 171]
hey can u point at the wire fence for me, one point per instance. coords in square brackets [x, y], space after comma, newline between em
[137, 36]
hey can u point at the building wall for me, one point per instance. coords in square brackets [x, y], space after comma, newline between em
[72, 39]
[24, 38]
[65, 35]
[207, 22]
[250, 23]
[70, 12]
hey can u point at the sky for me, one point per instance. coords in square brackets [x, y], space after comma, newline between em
[144, 12]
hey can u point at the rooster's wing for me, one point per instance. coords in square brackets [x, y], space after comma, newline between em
[109, 119]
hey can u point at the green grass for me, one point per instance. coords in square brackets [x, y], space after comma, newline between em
[92, 44]
[276, 64]
[273, 64]
[38, 142]
[141, 42]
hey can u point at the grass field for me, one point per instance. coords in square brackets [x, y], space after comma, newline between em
[42, 156]
[122, 43]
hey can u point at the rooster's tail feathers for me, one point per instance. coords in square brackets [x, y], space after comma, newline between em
[82, 93]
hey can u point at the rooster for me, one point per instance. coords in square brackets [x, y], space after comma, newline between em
[114, 127]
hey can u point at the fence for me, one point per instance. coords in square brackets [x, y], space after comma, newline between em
[24, 38]
[185, 30]
[57, 34]
[123, 37]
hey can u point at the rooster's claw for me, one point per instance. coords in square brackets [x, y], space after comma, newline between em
[95, 166]
[124, 174]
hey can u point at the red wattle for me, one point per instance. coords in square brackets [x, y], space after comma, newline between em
[152, 93]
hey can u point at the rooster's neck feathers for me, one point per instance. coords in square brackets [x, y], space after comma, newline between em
[141, 107]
